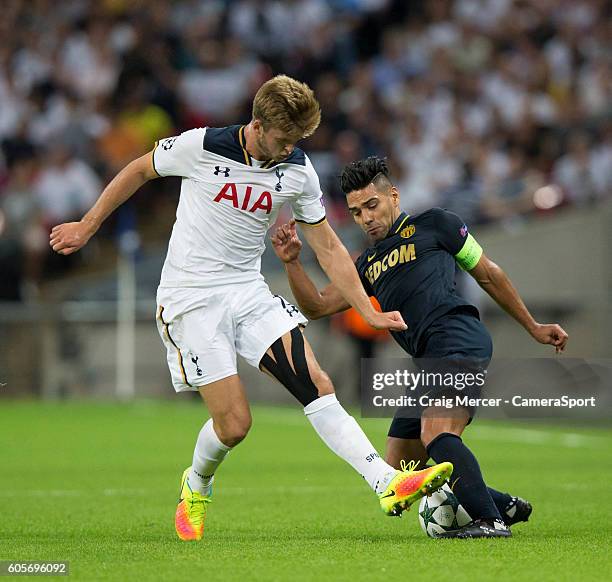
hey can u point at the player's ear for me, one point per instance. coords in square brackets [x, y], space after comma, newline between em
[395, 195]
[257, 125]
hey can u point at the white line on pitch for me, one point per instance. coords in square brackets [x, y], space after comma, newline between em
[538, 437]
[128, 492]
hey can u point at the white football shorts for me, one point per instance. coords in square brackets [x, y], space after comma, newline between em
[203, 329]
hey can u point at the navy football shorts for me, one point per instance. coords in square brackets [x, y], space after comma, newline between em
[456, 343]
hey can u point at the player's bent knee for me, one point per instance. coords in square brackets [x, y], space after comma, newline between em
[436, 421]
[233, 430]
[297, 378]
[234, 435]
[430, 431]
[428, 435]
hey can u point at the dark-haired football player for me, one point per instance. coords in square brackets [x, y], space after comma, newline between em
[410, 267]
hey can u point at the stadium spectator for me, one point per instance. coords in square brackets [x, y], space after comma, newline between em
[66, 187]
[478, 102]
[23, 244]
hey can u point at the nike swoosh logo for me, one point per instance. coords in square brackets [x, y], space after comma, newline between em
[390, 494]
[371, 257]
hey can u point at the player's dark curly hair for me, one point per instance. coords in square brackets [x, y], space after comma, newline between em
[359, 174]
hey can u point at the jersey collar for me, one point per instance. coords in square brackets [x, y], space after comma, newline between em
[295, 157]
[248, 160]
[398, 224]
[242, 142]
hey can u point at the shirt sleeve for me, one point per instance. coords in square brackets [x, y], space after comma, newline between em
[308, 204]
[179, 155]
[454, 237]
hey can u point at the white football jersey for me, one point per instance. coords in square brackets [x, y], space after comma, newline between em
[228, 202]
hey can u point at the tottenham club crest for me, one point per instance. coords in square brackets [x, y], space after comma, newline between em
[195, 359]
[279, 175]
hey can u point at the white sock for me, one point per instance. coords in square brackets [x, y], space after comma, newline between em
[341, 433]
[208, 454]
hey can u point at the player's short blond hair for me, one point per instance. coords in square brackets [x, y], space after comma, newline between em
[286, 104]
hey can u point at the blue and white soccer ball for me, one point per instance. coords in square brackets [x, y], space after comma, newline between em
[441, 512]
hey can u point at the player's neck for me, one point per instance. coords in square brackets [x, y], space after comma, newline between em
[250, 143]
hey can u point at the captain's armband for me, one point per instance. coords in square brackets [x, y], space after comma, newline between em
[469, 255]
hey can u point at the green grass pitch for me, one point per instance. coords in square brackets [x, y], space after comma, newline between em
[96, 484]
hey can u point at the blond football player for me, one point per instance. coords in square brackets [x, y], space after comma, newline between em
[213, 302]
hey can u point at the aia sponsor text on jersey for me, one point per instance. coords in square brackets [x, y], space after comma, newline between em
[242, 197]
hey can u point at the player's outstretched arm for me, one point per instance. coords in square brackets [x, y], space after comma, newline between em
[313, 303]
[338, 266]
[496, 283]
[69, 237]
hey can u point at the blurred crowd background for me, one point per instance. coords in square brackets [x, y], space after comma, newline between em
[496, 109]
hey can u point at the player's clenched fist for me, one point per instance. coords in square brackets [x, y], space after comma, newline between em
[69, 237]
[551, 333]
[391, 320]
[287, 245]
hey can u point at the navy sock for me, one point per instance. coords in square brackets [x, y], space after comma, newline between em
[469, 486]
[501, 500]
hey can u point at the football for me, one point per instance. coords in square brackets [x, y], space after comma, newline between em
[441, 512]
